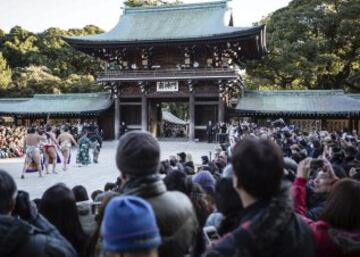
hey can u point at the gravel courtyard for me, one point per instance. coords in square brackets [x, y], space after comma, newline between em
[93, 176]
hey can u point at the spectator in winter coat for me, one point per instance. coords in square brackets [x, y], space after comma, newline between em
[29, 234]
[138, 160]
[268, 225]
[337, 232]
[228, 205]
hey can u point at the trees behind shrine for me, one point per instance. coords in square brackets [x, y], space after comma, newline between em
[43, 63]
[33, 63]
[313, 44]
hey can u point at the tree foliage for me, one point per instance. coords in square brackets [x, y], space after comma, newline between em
[313, 44]
[5, 73]
[45, 63]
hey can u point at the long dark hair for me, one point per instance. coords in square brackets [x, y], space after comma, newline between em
[342, 208]
[58, 205]
[178, 181]
[229, 204]
[7, 192]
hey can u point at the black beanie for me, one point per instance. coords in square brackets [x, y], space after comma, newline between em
[138, 154]
[182, 156]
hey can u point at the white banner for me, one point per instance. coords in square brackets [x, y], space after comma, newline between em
[167, 86]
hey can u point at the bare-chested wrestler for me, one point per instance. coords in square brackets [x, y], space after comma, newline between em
[50, 145]
[65, 140]
[32, 149]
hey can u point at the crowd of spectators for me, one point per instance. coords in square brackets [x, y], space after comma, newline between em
[12, 137]
[273, 191]
[11, 141]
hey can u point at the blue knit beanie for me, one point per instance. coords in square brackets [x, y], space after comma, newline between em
[129, 224]
[205, 180]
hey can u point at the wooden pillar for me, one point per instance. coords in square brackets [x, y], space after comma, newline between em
[117, 115]
[221, 108]
[324, 123]
[351, 123]
[143, 112]
[191, 112]
[144, 107]
[356, 124]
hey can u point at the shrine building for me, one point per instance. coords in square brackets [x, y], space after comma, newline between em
[185, 54]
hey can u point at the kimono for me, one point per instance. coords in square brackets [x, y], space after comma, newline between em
[83, 156]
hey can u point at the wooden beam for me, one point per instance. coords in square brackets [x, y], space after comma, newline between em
[130, 103]
[206, 103]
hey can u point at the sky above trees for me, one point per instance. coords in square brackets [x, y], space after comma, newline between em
[312, 45]
[39, 15]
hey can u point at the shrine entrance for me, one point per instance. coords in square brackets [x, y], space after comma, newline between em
[168, 119]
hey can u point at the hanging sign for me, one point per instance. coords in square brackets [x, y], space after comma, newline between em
[167, 86]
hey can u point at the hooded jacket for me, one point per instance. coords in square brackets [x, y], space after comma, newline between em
[267, 228]
[329, 242]
[19, 239]
[174, 214]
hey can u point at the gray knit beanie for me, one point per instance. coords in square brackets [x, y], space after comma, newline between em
[138, 154]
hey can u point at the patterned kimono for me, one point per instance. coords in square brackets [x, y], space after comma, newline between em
[83, 156]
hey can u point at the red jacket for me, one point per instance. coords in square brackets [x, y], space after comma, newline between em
[325, 245]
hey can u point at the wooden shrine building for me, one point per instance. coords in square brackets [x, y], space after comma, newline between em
[54, 109]
[309, 110]
[174, 53]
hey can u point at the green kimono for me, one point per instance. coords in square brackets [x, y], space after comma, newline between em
[83, 156]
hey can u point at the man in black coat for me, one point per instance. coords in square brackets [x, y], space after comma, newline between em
[28, 234]
[123, 128]
[210, 132]
[138, 159]
[268, 225]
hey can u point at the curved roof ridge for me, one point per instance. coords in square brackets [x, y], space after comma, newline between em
[297, 102]
[71, 103]
[9, 99]
[69, 95]
[306, 91]
[176, 23]
[170, 7]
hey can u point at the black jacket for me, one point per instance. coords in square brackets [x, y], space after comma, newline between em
[19, 239]
[174, 213]
[268, 229]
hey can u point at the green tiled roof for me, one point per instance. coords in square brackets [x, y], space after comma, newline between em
[57, 104]
[170, 22]
[171, 118]
[302, 102]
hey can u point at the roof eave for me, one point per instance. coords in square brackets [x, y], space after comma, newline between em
[294, 113]
[83, 43]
